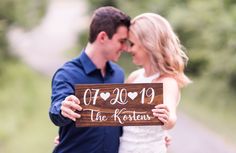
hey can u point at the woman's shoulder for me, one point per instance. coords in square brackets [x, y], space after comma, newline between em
[168, 80]
[133, 75]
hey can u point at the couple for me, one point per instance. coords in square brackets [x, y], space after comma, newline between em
[154, 46]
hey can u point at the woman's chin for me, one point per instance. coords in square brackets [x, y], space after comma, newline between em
[136, 62]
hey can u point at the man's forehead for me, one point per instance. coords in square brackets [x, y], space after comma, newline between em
[122, 32]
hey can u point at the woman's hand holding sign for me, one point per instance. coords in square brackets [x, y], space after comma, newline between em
[166, 112]
[69, 106]
[162, 112]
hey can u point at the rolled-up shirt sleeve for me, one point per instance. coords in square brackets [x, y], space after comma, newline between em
[60, 90]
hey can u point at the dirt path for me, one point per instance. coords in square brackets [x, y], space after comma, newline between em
[189, 136]
[44, 48]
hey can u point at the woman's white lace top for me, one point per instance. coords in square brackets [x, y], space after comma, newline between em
[143, 139]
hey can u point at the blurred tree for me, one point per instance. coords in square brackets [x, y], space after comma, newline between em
[95, 3]
[197, 64]
[22, 12]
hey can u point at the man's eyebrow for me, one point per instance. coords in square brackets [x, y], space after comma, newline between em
[123, 39]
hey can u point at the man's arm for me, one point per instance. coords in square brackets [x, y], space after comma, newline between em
[63, 103]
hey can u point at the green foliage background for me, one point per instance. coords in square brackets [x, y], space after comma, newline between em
[206, 29]
[24, 94]
[25, 13]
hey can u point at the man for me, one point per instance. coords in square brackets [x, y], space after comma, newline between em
[107, 39]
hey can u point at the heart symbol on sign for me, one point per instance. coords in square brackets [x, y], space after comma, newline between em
[105, 96]
[132, 95]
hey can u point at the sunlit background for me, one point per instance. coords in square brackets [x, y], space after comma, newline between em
[37, 37]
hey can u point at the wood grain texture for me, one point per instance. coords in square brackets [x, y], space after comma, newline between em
[118, 104]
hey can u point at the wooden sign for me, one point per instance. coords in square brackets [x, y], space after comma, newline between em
[118, 104]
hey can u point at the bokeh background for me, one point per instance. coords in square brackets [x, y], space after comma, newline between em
[36, 37]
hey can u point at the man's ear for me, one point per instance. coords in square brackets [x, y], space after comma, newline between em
[102, 36]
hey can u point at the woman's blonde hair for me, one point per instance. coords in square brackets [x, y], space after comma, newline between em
[162, 45]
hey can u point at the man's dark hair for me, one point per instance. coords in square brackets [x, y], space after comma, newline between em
[107, 19]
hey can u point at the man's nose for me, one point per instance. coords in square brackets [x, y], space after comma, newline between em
[125, 47]
[128, 50]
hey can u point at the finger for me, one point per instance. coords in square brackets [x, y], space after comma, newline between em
[165, 116]
[155, 115]
[56, 140]
[162, 106]
[67, 116]
[65, 103]
[161, 117]
[70, 112]
[73, 106]
[72, 98]
[72, 115]
[168, 140]
[75, 99]
[75, 115]
[158, 116]
[163, 120]
[163, 111]
[160, 111]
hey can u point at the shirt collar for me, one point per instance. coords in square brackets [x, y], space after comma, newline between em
[89, 66]
[109, 67]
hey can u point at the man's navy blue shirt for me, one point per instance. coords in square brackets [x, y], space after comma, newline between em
[82, 70]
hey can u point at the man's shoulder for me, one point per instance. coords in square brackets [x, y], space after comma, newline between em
[116, 67]
[69, 68]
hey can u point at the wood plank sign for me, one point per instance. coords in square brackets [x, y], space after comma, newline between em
[118, 104]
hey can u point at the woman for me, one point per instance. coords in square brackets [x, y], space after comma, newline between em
[155, 47]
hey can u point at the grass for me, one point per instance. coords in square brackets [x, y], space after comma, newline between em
[24, 102]
[211, 102]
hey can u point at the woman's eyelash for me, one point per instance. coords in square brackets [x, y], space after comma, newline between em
[130, 43]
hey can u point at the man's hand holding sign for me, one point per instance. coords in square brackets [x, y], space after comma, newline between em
[117, 105]
[69, 106]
